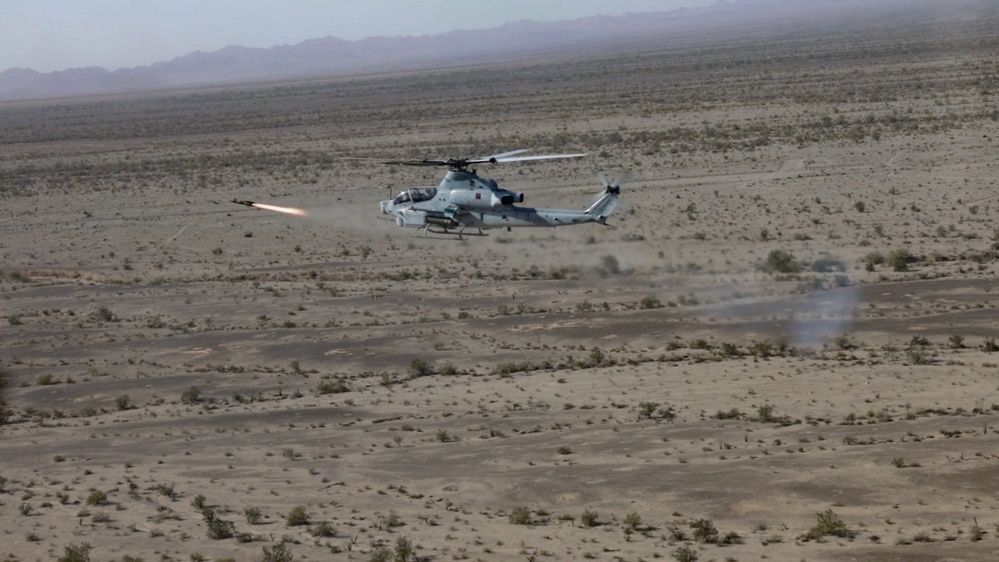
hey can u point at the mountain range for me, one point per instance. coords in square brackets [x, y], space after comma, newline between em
[522, 41]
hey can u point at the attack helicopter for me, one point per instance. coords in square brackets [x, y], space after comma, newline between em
[466, 200]
[463, 200]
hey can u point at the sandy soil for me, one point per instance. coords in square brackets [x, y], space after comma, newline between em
[177, 366]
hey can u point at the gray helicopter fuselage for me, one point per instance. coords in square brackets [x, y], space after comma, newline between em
[463, 199]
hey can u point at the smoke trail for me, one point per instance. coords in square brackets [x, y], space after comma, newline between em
[286, 210]
[822, 316]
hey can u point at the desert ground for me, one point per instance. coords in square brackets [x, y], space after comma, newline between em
[783, 349]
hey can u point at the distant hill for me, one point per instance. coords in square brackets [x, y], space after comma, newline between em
[520, 41]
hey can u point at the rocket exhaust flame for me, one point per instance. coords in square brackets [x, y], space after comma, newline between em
[286, 210]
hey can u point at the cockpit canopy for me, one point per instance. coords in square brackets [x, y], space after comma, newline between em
[415, 195]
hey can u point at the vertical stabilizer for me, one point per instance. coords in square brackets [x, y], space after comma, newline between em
[604, 206]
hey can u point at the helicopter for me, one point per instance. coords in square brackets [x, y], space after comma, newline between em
[463, 199]
[466, 200]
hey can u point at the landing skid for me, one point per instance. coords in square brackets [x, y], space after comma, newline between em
[460, 233]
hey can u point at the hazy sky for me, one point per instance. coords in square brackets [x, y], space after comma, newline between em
[47, 35]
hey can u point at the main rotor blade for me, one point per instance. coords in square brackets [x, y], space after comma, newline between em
[504, 154]
[503, 157]
[416, 162]
[453, 161]
[527, 158]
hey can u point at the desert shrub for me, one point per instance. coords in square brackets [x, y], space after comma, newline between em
[918, 352]
[97, 497]
[780, 261]
[332, 386]
[420, 368]
[390, 521]
[278, 553]
[766, 413]
[647, 409]
[219, 528]
[977, 533]
[732, 414]
[166, 490]
[700, 343]
[191, 395]
[828, 524]
[76, 553]
[900, 259]
[253, 515]
[732, 538]
[105, 314]
[404, 550]
[650, 302]
[873, 259]
[767, 349]
[918, 355]
[633, 520]
[844, 342]
[685, 554]
[323, 529]
[520, 516]
[297, 516]
[597, 357]
[122, 402]
[510, 367]
[704, 531]
[589, 518]
[729, 350]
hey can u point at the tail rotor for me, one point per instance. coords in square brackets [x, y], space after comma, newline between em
[606, 201]
[615, 186]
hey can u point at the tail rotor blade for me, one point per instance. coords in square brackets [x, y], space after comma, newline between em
[615, 186]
